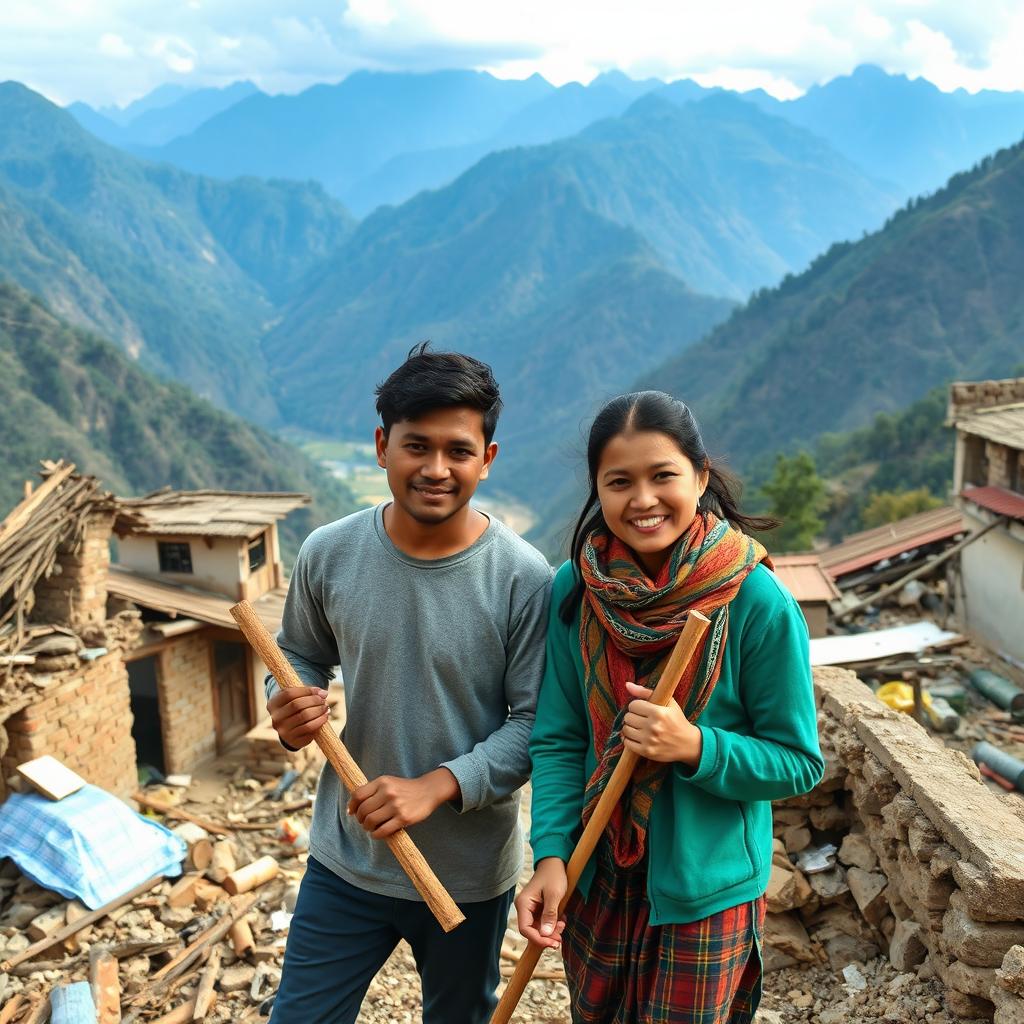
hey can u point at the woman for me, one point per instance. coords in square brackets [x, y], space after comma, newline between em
[666, 925]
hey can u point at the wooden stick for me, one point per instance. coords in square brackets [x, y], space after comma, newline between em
[76, 926]
[204, 992]
[106, 988]
[172, 811]
[401, 845]
[11, 1008]
[682, 653]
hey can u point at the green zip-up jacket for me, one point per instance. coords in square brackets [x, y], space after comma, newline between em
[709, 840]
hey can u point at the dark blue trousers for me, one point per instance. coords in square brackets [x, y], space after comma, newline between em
[340, 937]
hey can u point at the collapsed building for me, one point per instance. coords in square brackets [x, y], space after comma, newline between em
[112, 666]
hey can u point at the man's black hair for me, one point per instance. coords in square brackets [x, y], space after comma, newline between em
[438, 380]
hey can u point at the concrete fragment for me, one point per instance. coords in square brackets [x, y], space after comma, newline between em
[856, 851]
[868, 889]
[907, 948]
[236, 978]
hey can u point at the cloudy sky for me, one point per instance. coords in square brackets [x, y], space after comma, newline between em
[112, 51]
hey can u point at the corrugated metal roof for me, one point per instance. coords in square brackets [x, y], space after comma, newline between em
[189, 601]
[860, 550]
[997, 499]
[804, 578]
[1003, 424]
[211, 513]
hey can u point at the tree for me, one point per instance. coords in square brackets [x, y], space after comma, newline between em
[797, 497]
[889, 506]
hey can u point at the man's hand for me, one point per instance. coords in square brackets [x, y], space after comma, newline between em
[388, 803]
[660, 733]
[537, 904]
[297, 712]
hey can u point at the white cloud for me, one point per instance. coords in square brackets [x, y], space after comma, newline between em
[64, 47]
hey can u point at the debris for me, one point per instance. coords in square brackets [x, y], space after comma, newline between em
[72, 1004]
[280, 920]
[941, 716]
[855, 980]
[999, 690]
[204, 991]
[50, 777]
[106, 988]
[178, 781]
[1000, 762]
[816, 859]
[292, 831]
[251, 876]
[881, 643]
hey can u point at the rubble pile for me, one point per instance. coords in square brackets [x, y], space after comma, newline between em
[216, 934]
[902, 850]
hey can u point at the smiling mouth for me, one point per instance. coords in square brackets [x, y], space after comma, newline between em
[432, 492]
[648, 523]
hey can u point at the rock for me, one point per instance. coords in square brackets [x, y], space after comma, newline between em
[829, 886]
[236, 978]
[1009, 1007]
[974, 942]
[975, 981]
[775, 960]
[856, 851]
[868, 889]
[781, 892]
[855, 980]
[785, 933]
[960, 1004]
[18, 915]
[846, 949]
[796, 838]
[907, 948]
[1011, 974]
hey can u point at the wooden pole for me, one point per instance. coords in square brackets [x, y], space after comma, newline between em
[106, 987]
[76, 926]
[686, 646]
[413, 862]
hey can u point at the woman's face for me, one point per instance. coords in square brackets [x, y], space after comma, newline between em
[648, 491]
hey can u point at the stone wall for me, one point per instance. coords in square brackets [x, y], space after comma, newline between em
[186, 702]
[83, 718]
[966, 396]
[932, 859]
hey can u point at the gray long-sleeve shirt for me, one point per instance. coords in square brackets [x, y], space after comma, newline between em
[442, 661]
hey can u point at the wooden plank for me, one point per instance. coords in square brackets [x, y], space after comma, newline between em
[50, 777]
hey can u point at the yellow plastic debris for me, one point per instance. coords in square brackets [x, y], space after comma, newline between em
[900, 696]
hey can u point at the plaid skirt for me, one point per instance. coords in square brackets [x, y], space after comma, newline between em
[622, 970]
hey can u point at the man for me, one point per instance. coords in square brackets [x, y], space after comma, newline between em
[436, 615]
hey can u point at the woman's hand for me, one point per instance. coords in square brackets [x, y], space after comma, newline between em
[660, 733]
[537, 904]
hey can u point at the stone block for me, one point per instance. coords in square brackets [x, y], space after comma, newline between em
[964, 1005]
[1009, 1008]
[856, 851]
[906, 947]
[923, 838]
[829, 886]
[829, 818]
[868, 889]
[785, 934]
[978, 943]
[975, 981]
[1011, 973]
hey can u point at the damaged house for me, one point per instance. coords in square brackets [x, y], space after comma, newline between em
[108, 667]
[988, 480]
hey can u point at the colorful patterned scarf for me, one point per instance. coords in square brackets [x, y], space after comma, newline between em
[628, 627]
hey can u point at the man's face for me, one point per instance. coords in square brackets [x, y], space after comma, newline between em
[435, 462]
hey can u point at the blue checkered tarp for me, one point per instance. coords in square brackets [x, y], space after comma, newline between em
[89, 845]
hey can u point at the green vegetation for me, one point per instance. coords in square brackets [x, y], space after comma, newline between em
[182, 272]
[870, 327]
[65, 393]
[796, 497]
[889, 506]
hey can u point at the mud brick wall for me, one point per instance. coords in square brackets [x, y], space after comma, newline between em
[82, 717]
[76, 592]
[965, 396]
[186, 703]
[949, 880]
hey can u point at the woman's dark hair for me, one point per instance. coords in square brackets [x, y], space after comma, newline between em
[438, 380]
[654, 411]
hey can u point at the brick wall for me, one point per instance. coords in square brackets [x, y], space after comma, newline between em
[186, 702]
[84, 719]
[76, 593]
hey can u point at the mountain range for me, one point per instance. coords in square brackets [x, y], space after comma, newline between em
[182, 271]
[68, 393]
